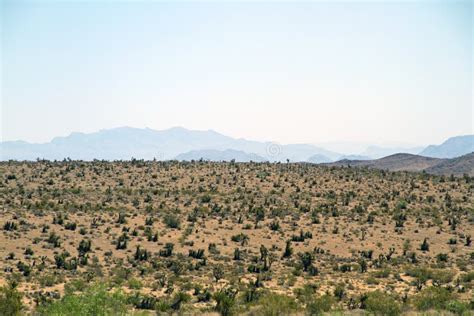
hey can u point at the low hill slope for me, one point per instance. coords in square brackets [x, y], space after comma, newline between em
[408, 162]
[456, 166]
[397, 162]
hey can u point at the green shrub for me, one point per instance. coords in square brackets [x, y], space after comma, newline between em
[77, 285]
[162, 306]
[442, 276]
[380, 303]
[306, 293]
[171, 221]
[457, 307]
[134, 284]
[276, 304]
[432, 298]
[50, 279]
[320, 305]
[381, 274]
[179, 299]
[10, 300]
[467, 277]
[140, 301]
[225, 301]
[95, 301]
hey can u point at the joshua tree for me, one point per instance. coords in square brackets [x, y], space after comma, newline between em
[288, 250]
[425, 246]
[259, 216]
[218, 272]
[307, 260]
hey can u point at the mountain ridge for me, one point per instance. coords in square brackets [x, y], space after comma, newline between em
[452, 147]
[124, 143]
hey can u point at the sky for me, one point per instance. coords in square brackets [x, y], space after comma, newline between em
[292, 72]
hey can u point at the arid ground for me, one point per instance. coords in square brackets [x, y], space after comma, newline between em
[238, 238]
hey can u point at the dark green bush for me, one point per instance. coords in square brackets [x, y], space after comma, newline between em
[171, 221]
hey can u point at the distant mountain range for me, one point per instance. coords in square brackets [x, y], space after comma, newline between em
[125, 142]
[220, 155]
[453, 147]
[182, 144]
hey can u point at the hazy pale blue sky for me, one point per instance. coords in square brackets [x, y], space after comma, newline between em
[283, 71]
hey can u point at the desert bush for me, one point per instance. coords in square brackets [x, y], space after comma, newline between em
[273, 304]
[380, 303]
[457, 307]
[171, 221]
[225, 301]
[204, 296]
[305, 294]
[84, 246]
[77, 285]
[50, 279]
[10, 226]
[212, 248]
[442, 276]
[70, 226]
[302, 236]
[205, 198]
[383, 273]
[63, 263]
[167, 251]
[121, 219]
[122, 242]
[96, 300]
[275, 226]
[10, 300]
[141, 254]
[24, 268]
[179, 299]
[340, 291]
[424, 245]
[242, 238]
[467, 277]
[54, 240]
[321, 305]
[218, 272]
[432, 298]
[141, 301]
[196, 254]
[306, 260]
[442, 257]
[29, 251]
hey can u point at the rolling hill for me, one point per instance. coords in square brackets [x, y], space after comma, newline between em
[456, 166]
[376, 152]
[408, 162]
